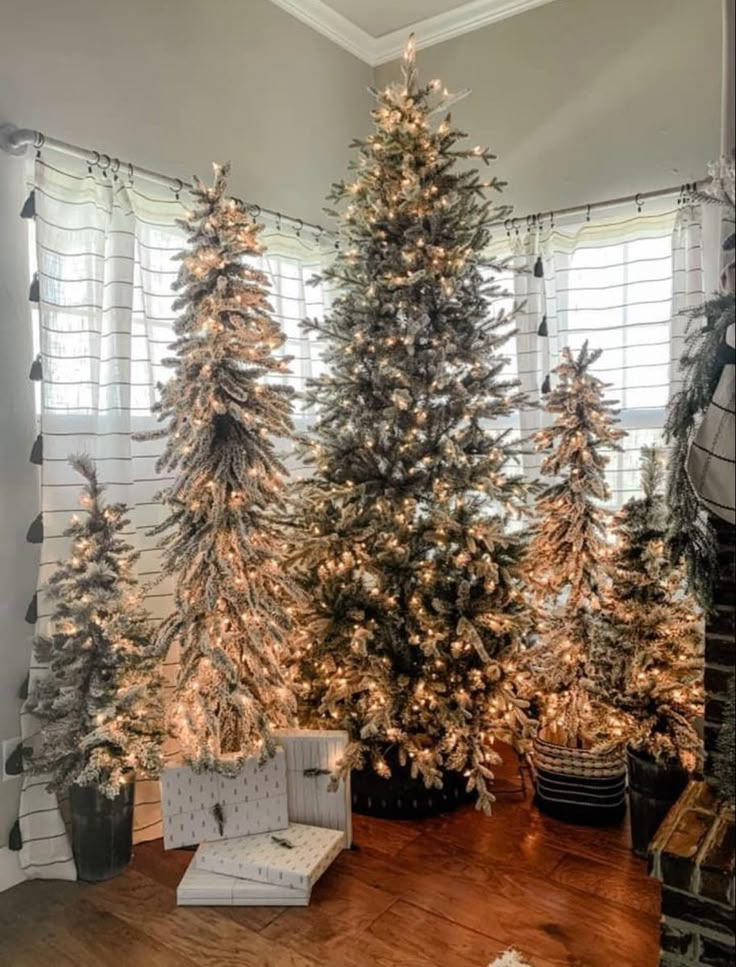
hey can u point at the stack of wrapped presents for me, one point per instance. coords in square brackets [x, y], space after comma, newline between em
[265, 836]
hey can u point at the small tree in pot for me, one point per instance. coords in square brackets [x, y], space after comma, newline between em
[566, 574]
[101, 702]
[648, 658]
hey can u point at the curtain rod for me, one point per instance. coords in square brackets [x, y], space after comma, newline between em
[684, 191]
[15, 140]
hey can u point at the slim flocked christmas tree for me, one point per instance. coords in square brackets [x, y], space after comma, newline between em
[101, 702]
[408, 561]
[222, 417]
[567, 551]
[648, 641]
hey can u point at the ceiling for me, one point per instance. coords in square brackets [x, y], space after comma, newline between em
[381, 17]
[376, 30]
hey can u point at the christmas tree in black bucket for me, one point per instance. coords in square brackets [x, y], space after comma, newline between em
[100, 704]
[408, 559]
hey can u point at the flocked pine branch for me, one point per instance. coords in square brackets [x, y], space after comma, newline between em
[100, 703]
[406, 554]
[647, 644]
[691, 536]
[566, 554]
[223, 412]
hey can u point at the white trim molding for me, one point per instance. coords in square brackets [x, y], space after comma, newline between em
[433, 30]
[10, 871]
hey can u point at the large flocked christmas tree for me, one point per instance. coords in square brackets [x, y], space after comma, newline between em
[412, 573]
[101, 701]
[222, 417]
[647, 644]
[567, 552]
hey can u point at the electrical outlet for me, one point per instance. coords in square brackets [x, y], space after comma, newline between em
[9, 747]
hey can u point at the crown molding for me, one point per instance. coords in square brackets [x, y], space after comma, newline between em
[444, 26]
[433, 30]
[332, 25]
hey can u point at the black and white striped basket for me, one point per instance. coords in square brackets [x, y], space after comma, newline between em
[578, 785]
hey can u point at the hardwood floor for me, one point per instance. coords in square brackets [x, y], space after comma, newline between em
[453, 891]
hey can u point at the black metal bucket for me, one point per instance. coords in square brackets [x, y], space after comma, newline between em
[402, 797]
[653, 791]
[102, 831]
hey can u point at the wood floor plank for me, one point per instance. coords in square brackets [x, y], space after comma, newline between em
[452, 891]
[201, 934]
[609, 883]
[341, 911]
[385, 835]
[563, 926]
[441, 941]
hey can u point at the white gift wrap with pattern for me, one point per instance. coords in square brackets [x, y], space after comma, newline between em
[268, 859]
[253, 802]
[200, 888]
[312, 756]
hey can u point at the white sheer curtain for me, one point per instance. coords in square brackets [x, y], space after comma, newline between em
[103, 251]
[622, 281]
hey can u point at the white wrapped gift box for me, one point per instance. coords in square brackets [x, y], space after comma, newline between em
[295, 857]
[202, 888]
[200, 807]
[312, 756]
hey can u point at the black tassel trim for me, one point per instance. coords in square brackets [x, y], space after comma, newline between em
[15, 840]
[543, 327]
[29, 208]
[35, 531]
[32, 610]
[539, 268]
[37, 451]
[36, 373]
[34, 293]
[25, 688]
[546, 385]
[14, 762]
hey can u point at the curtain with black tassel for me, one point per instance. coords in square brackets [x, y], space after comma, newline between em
[39, 834]
[532, 352]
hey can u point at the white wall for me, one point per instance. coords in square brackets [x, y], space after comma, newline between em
[589, 99]
[173, 84]
[582, 99]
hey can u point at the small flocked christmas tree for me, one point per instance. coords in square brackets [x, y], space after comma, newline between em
[101, 702]
[223, 544]
[648, 641]
[409, 563]
[567, 552]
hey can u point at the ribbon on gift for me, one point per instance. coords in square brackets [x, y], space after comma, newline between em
[219, 813]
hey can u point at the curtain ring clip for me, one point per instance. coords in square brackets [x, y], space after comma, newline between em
[299, 227]
[115, 168]
[587, 213]
[177, 189]
[639, 201]
[130, 173]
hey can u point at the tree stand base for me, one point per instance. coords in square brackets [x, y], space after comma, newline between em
[401, 797]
